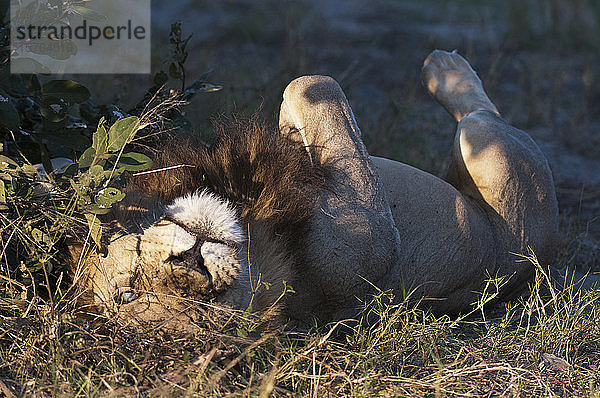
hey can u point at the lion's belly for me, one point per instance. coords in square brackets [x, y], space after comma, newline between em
[446, 241]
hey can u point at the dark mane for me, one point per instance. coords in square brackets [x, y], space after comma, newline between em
[267, 176]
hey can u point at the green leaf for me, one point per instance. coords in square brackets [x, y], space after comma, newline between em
[57, 49]
[68, 90]
[88, 13]
[70, 171]
[29, 170]
[5, 161]
[27, 65]
[133, 161]
[96, 171]
[87, 158]
[96, 176]
[201, 86]
[122, 132]
[39, 236]
[100, 138]
[96, 209]
[174, 71]
[9, 116]
[107, 197]
[95, 227]
[54, 109]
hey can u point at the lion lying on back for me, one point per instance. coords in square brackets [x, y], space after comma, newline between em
[306, 207]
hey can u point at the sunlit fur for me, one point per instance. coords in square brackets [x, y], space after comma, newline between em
[204, 213]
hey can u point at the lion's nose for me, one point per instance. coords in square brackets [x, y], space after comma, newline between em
[191, 259]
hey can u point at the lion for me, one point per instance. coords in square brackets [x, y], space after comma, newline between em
[300, 222]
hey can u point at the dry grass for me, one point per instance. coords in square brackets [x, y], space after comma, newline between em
[546, 344]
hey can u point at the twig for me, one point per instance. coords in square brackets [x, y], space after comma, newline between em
[162, 169]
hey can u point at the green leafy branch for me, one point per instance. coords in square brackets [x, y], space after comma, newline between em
[102, 164]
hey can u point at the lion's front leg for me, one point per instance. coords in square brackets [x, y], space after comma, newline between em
[352, 238]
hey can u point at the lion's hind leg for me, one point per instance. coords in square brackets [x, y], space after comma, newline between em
[497, 165]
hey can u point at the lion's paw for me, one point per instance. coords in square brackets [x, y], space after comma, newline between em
[454, 84]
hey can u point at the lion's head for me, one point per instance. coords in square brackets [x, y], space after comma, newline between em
[224, 230]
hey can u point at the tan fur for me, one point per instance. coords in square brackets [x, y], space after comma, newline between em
[324, 217]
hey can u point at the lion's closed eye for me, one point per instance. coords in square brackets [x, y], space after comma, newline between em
[176, 259]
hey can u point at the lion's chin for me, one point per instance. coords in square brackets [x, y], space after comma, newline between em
[172, 315]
